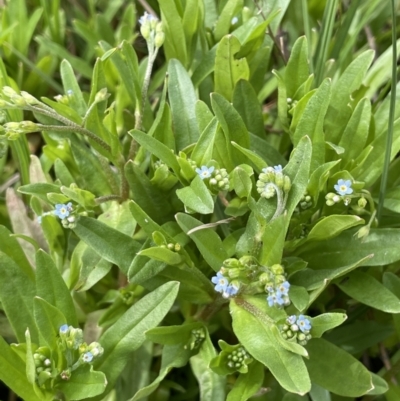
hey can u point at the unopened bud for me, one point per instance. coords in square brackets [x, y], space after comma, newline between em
[362, 202]
[29, 98]
[287, 184]
[101, 95]
[159, 39]
[8, 91]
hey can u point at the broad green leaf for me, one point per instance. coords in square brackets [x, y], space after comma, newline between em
[254, 332]
[338, 111]
[229, 70]
[356, 337]
[299, 297]
[112, 245]
[127, 334]
[13, 373]
[17, 290]
[297, 70]
[273, 240]
[246, 103]
[84, 383]
[345, 249]
[334, 369]
[392, 200]
[164, 255]
[247, 385]
[333, 225]
[311, 123]
[173, 356]
[207, 240]
[369, 291]
[282, 100]
[318, 179]
[48, 320]
[196, 197]
[182, 99]
[252, 158]
[326, 321]
[241, 181]
[380, 385]
[212, 385]
[173, 335]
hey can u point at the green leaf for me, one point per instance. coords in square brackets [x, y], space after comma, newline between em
[333, 225]
[203, 151]
[72, 88]
[150, 198]
[247, 385]
[282, 101]
[197, 197]
[254, 332]
[83, 383]
[334, 369]
[173, 356]
[246, 103]
[326, 321]
[182, 99]
[345, 249]
[297, 70]
[229, 70]
[241, 181]
[212, 385]
[156, 148]
[355, 134]
[207, 240]
[380, 385]
[39, 189]
[224, 20]
[311, 123]
[127, 334]
[369, 291]
[273, 240]
[175, 44]
[13, 373]
[48, 320]
[339, 112]
[17, 290]
[112, 245]
[164, 255]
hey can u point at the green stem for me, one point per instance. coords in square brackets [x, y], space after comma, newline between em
[389, 138]
[75, 128]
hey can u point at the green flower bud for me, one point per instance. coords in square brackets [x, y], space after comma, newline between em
[362, 202]
[279, 179]
[101, 95]
[8, 91]
[159, 39]
[277, 269]
[31, 100]
[287, 184]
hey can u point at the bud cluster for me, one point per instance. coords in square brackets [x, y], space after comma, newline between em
[247, 272]
[304, 203]
[216, 179]
[238, 358]
[271, 181]
[65, 213]
[196, 338]
[44, 365]
[76, 351]
[152, 30]
[297, 328]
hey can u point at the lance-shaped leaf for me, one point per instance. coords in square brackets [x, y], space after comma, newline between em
[112, 245]
[128, 333]
[254, 332]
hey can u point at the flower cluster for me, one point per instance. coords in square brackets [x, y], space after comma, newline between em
[297, 328]
[152, 29]
[224, 286]
[232, 358]
[217, 179]
[304, 203]
[272, 181]
[64, 212]
[44, 365]
[276, 286]
[196, 339]
[343, 188]
[247, 274]
[76, 351]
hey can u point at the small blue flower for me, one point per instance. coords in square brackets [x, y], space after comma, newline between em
[205, 172]
[146, 17]
[70, 92]
[63, 211]
[304, 324]
[291, 319]
[275, 298]
[87, 357]
[221, 282]
[230, 291]
[343, 187]
[234, 20]
[64, 329]
[278, 168]
[284, 288]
